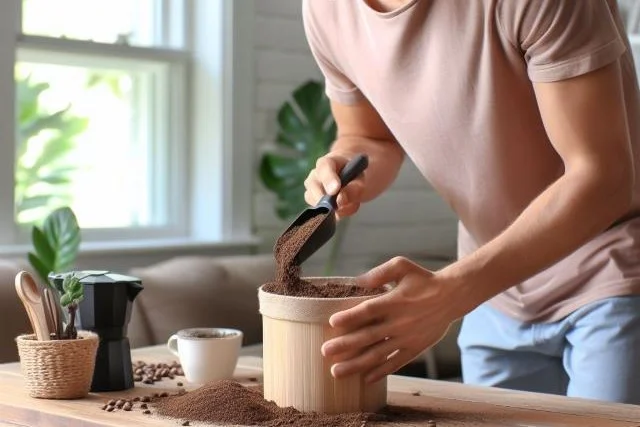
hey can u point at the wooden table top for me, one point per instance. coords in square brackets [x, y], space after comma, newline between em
[450, 404]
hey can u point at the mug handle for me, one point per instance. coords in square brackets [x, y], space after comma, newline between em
[172, 345]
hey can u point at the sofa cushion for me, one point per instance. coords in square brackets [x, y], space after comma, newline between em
[14, 316]
[199, 291]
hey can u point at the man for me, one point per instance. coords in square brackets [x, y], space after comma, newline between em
[523, 115]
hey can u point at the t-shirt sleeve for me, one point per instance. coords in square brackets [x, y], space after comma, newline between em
[560, 39]
[338, 86]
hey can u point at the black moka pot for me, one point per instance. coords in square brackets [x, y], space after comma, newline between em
[106, 310]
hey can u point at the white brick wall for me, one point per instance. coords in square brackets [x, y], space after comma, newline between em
[409, 219]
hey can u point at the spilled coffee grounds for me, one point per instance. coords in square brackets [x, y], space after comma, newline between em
[288, 281]
[229, 402]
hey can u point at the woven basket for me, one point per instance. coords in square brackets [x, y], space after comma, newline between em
[58, 369]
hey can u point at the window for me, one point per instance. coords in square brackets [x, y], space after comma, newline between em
[125, 112]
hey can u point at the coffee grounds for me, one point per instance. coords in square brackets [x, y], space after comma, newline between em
[230, 402]
[286, 250]
[288, 281]
[321, 290]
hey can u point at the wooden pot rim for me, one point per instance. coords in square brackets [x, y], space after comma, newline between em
[307, 309]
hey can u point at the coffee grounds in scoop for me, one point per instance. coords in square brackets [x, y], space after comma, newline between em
[288, 281]
[286, 250]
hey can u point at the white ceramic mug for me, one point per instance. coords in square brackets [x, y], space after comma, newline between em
[206, 354]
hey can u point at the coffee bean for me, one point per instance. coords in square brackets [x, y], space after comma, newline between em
[179, 384]
[120, 403]
[416, 393]
[110, 408]
[138, 371]
[127, 406]
[173, 371]
[147, 381]
[143, 406]
[431, 423]
[137, 378]
[171, 376]
[111, 402]
[136, 399]
[155, 395]
[181, 391]
[105, 406]
[186, 423]
[146, 399]
[146, 412]
[253, 379]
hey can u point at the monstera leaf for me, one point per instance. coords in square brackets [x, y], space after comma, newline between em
[306, 130]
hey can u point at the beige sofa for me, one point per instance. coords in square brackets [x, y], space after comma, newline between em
[190, 291]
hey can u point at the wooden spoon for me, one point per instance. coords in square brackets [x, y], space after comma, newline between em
[29, 293]
[52, 308]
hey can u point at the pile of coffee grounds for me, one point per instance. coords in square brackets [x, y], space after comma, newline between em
[230, 402]
[287, 279]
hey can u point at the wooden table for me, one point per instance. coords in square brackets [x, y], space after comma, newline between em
[450, 404]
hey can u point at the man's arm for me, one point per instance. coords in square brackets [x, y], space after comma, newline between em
[360, 130]
[585, 120]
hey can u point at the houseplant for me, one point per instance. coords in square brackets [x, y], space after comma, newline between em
[55, 248]
[61, 368]
[306, 130]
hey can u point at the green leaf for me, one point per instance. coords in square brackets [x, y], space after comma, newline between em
[63, 234]
[65, 300]
[309, 97]
[34, 202]
[77, 297]
[42, 247]
[39, 266]
[53, 121]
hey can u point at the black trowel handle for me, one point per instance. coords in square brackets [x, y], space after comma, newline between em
[350, 172]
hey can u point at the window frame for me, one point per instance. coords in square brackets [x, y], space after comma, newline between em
[212, 172]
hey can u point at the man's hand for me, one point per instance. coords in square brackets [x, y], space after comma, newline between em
[324, 179]
[387, 332]
[360, 130]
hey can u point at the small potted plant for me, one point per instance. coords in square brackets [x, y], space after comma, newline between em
[61, 367]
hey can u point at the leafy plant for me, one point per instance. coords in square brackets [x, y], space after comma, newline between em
[306, 130]
[73, 294]
[56, 244]
[44, 141]
[55, 248]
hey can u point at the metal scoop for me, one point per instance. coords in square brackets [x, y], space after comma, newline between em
[326, 206]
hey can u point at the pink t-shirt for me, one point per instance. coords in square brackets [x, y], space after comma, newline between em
[452, 79]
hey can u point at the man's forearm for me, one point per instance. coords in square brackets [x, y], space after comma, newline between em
[567, 214]
[385, 160]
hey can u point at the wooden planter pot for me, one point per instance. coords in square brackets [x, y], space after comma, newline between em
[295, 372]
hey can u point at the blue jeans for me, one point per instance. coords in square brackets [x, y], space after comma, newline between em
[593, 353]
